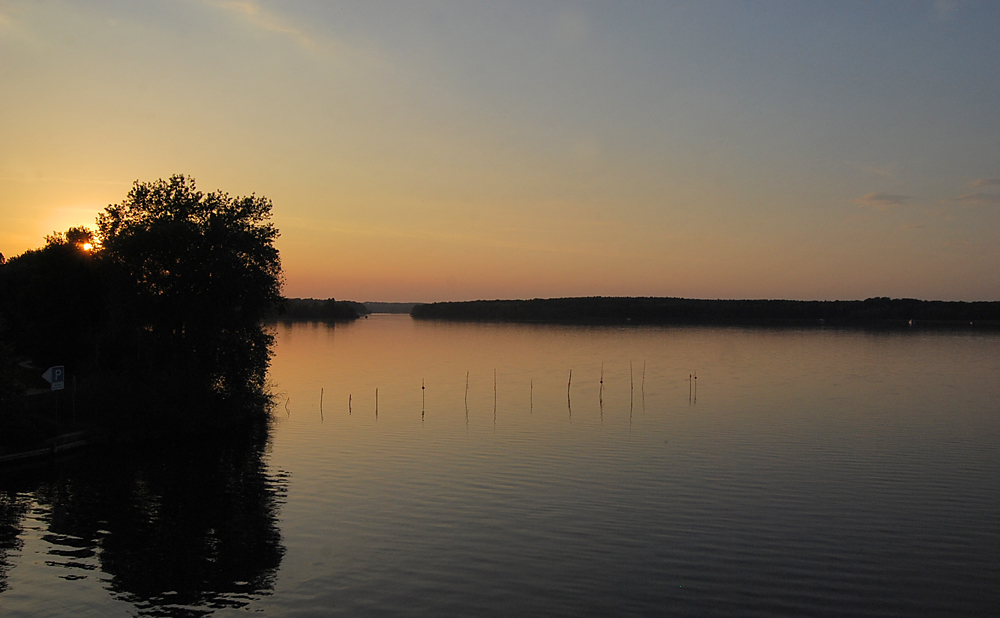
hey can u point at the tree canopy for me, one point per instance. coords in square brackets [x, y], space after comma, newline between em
[169, 294]
[193, 274]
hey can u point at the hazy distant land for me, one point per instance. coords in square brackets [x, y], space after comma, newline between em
[625, 310]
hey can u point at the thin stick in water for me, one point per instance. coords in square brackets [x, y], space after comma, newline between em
[631, 387]
[600, 391]
[569, 404]
[321, 404]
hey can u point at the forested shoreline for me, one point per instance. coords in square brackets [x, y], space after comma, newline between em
[651, 310]
[318, 310]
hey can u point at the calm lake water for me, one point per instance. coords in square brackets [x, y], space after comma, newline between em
[814, 473]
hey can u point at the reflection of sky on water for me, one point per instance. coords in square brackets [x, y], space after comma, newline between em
[820, 472]
[816, 471]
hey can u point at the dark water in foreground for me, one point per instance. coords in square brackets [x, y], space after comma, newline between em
[820, 473]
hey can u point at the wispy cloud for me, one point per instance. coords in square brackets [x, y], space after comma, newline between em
[884, 171]
[882, 200]
[360, 59]
[987, 182]
[252, 12]
[975, 199]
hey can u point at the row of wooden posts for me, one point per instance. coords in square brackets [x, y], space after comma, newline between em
[692, 392]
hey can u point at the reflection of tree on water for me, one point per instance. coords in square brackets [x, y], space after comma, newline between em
[12, 510]
[180, 530]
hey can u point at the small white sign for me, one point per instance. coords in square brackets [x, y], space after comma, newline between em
[56, 376]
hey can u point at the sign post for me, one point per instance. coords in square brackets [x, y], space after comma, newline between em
[56, 376]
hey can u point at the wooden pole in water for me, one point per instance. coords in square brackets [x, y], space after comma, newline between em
[466, 389]
[569, 404]
[321, 404]
[631, 387]
[643, 388]
[600, 392]
[376, 402]
[531, 396]
[423, 399]
[349, 397]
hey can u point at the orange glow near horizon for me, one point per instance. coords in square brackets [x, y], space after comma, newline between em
[453, 153]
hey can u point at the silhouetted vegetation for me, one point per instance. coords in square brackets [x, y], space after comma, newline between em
[52, 300]
[157, 316]
[621, 310]
[376, 307]
[313, 310]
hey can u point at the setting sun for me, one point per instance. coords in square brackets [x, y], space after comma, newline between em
[87, 246]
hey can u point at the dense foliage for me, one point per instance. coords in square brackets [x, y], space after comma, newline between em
[159, 313]
[191, 276]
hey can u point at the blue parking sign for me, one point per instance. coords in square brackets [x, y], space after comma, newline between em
[56, 376]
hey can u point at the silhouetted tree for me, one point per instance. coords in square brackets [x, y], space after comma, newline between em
[51, 302]
[191, 276]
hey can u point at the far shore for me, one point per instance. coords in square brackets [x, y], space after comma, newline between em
[872, 312]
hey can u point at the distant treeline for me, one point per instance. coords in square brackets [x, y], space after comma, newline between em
[623, 310]
[375, 307]
[331, 310]
[311, 309]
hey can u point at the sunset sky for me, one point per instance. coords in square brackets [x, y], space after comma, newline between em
[422, 151]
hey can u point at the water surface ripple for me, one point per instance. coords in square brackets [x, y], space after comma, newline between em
[818, 472]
